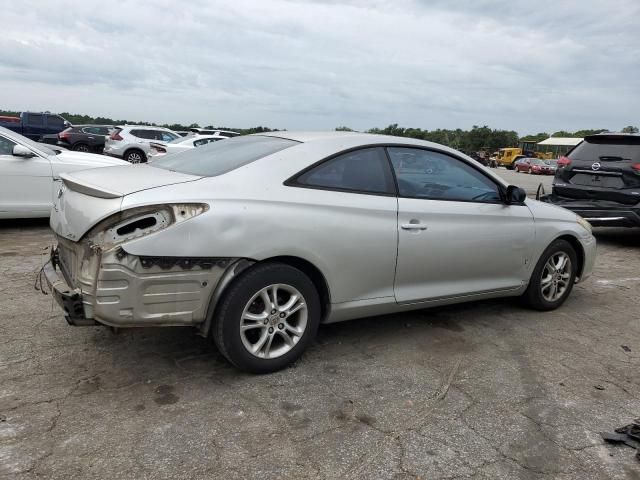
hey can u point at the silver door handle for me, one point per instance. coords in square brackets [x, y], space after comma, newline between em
[413, 226]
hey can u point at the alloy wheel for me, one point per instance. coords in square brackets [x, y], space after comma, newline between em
[134, 157]
[273, 321]
[556, 275]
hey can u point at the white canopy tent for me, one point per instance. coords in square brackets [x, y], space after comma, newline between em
[561, 141]
[558, 145]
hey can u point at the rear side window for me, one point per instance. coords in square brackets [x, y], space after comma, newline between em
[607, 148]
[362, 171]
[36, 119]
[218, 158]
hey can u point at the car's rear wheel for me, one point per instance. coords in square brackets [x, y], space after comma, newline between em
[553, 277]
[267, 318]
[135, 156]
[81, 147]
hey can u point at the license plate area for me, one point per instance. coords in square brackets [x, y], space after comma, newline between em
[595, 180]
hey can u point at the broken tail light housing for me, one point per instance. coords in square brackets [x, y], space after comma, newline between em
[139, 222]
[563, 161]
[636, 168]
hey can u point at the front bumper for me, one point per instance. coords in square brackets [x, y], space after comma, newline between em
[599, 213]
[120, 290]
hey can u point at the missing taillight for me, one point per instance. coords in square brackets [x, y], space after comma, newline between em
[141, 224]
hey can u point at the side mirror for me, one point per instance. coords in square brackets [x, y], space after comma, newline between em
[22, 151]
[515, 195]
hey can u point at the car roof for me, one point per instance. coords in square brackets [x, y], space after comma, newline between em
[144, 127]
[357, 138]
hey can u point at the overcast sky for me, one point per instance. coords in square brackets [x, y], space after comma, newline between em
[528, 66]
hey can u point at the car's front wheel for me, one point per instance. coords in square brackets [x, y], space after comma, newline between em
[553, 277]
[267, 318]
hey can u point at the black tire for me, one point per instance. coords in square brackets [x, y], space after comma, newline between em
[533, 296]
[135, 156]
[226, 323]
[81, 147]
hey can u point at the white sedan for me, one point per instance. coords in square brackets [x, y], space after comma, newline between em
[182, 144]
[29, 172]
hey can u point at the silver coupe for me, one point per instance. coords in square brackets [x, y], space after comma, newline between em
[257, 240]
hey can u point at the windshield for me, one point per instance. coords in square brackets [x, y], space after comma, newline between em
[537, 162]
[221, 157]
[40, 147]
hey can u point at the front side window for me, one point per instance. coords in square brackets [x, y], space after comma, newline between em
[166, 136]
[436, 176]
[218, 158]
[55, 121]
[363, 171]
[6, 146]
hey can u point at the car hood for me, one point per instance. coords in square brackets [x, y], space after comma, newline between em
[90, 196]
[89, 160]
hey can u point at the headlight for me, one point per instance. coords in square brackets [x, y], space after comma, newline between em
[139, 222]
[586, 225]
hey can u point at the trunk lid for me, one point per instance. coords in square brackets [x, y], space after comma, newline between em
[602, 167]
[89, 196]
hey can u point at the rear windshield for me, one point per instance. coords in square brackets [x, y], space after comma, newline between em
[221, 157]
[607, 149]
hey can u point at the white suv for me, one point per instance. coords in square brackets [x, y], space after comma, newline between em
[131, 142]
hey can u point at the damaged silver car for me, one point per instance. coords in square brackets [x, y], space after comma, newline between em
[257, 240]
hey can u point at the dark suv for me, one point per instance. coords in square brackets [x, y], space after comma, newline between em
[85, 138]
[599, 179]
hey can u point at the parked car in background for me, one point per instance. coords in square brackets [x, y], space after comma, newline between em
[258, 239]
[158, 149]
[214, 131]
[599, 179]
[34, 125]
[131, 142]
[85, 138]
[534, 166]
[30, 174]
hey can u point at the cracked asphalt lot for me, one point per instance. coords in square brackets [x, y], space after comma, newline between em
[485, 390]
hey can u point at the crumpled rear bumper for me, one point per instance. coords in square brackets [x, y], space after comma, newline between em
[121, 290]
[599, 213]
[69, 299]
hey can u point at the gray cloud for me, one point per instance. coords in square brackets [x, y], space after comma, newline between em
[319, 64]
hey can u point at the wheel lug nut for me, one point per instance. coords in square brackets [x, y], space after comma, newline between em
[265, 321]
[270, 329]
[282, 315]
[281, 326]
[273, 311]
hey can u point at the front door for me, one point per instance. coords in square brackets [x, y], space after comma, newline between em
[456, 236]
[25, 184]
